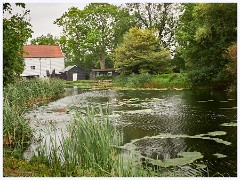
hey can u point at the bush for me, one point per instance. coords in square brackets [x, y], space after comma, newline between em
[134, 80]
[104, 77]
[145, 80]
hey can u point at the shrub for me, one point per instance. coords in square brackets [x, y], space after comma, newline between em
[134, 80]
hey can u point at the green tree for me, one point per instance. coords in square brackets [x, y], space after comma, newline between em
[160, 16]
[231, 66]
[94, 30]
[16, 31]
[45, 40]
[205, 32]
[141, 52]
[178, 62]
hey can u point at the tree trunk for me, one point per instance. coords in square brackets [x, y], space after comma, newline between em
[102, 62]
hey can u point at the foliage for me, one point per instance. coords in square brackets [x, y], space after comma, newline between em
[94, 30]
[16, 31]
[140, 52]
[90, 149]
[231, 67]
[45, 40]
[205, 31]
[160, 16]
[13, 167]
[104, 77]
[17, 98]
[93, 148]
[174, 80]
[178, 62]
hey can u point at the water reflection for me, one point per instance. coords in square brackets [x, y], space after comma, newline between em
[142, 114]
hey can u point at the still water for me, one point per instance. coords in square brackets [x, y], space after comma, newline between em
[178, 128]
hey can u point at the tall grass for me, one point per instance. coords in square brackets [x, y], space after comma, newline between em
[89, 149]
[174, 80]
[145, 80]
[17, 99]
[92, 147]
[133, 81]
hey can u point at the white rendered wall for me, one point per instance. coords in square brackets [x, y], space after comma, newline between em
[42, 65]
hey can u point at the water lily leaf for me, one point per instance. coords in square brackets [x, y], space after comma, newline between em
[229, 124]
[217, 133]
[114, 115]
[220, 155]
[201, 166]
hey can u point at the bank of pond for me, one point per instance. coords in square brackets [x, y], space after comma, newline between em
[173, 132]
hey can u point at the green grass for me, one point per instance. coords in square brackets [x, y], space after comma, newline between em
[174, 80]
[15, 167]
[83, 84]
[90, 84]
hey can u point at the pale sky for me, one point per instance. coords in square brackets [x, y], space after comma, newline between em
[42, 16]
[45, 12]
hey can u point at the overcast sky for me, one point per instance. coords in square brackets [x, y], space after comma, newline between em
[42, 16]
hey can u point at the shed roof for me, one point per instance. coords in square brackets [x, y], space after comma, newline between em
[42, 51]
[67, 68]
[104, 70]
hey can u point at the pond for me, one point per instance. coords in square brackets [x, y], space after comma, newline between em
[180, 128]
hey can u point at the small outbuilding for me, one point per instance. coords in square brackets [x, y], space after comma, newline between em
[96, 72]
[72, 73]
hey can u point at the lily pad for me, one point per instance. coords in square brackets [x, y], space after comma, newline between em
[217, 133]
[220, 155]
[114, 115]
[201, 166]
[229, 124]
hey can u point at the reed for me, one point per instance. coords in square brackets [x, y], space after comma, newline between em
[89, 149]
[92, 147]
[145, 80]
[17, 99]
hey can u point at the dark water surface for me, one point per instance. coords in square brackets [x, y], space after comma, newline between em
[186, 120]
[180, 128]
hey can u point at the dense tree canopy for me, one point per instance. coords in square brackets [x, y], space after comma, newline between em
[141, 52]
[45, 40]
[231, 67]
[160, 16]
[205, 32]
[94, 30]
[16, 31]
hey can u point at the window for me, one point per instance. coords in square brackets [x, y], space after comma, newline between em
[32, 67]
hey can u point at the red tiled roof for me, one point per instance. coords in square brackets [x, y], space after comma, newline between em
[42, 51]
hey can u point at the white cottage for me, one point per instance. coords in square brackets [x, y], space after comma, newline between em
[42, 59]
